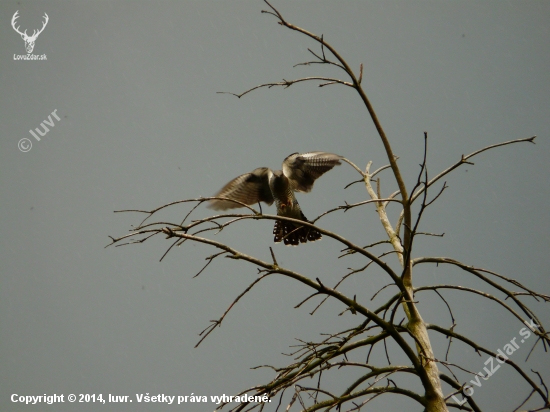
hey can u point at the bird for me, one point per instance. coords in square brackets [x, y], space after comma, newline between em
[298, 174]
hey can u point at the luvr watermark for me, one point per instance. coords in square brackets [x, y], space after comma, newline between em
[25, 144]
[29, 40]
[502, 357]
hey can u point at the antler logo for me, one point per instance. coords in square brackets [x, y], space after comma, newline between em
[29, 40]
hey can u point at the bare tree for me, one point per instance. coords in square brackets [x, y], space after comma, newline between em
[377, 325]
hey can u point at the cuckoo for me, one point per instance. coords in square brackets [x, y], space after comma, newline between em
[265, 185]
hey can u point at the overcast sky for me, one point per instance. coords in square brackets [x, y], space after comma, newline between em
[141, 125]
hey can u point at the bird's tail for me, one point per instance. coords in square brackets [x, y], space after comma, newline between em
[294, 235]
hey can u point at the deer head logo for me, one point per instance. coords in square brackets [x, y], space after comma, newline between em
[29, 40]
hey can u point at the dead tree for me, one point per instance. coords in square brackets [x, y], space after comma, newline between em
[377, 325]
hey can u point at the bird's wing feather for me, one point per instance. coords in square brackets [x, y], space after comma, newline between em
[249, 188]
[303, 169]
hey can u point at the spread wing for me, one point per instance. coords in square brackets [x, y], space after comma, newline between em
[249, 188]
[303, 169]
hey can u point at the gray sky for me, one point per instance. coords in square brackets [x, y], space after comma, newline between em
[141, 125]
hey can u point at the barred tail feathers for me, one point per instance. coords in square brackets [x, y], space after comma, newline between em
[294, 235]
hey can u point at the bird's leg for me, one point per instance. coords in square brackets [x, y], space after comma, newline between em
[260, 206]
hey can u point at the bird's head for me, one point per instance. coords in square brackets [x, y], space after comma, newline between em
[278, 182]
